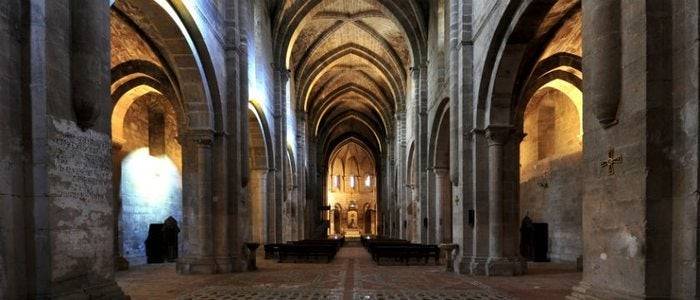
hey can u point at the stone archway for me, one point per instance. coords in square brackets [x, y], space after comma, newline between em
[147, 172]
[411, 224]
[259, 165]
[522, 39]
[442, 197]
[290, 210]
[163, 59]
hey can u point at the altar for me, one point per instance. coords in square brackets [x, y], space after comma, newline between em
[352, 233]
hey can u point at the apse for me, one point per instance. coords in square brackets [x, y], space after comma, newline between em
[352, 191]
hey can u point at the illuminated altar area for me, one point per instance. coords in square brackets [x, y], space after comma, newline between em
[351, 192]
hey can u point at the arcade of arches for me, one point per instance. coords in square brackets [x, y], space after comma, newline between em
[549, 148]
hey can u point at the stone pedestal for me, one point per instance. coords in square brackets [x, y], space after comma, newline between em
[447, 252]
[505, 266]
[477, 266]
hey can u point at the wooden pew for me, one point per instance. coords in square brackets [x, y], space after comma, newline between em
[272, 250]
[304, 249]
[307, 251]
[402, 251]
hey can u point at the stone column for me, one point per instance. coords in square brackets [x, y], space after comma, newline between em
[198, 255]
[120, 262]
[412, 213]
[281, 78]
[444, 204]
[497, 138]
[498, 264]
[602, 58]
[479, 243]
[258, 204]
[270, 205]
[90, 58]
[226, 226]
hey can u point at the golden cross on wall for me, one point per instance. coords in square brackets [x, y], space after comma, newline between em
[611, 162]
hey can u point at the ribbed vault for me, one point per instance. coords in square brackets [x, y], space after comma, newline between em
[349, 63]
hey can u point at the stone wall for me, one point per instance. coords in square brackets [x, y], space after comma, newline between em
[684, 267]
[261, 85]
[78, 166]
[127, 43]
[13, 155]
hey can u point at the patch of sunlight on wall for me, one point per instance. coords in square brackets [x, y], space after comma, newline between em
[291, 121]
[573, 93]
[255, 86]
[152, 179]
[151, 191]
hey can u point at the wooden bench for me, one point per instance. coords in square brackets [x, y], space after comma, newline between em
[369, 243]
[304, 249]
[337, 243]
[272, 250]
[306, 252]
[404, 252]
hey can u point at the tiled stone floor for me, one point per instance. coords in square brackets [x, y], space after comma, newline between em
[352, 275]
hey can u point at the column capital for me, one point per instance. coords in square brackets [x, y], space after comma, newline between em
[441, 171]
[498, 134]
[518, 136]
[475, 131]
[283, 71]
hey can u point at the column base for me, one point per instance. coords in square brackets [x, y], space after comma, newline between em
[447, 256]
[463, 264]
[225, 264]
[501, 266]
[196, 265]
[586, 291]
[121, 263]
[478, 265]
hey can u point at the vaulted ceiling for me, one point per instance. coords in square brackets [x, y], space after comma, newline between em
[349, 62]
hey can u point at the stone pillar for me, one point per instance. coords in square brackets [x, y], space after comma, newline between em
[444, 204]
[479, 204]
[498, 264]
[258, 204]
[225, 231]
[602, 58]
[282, 77]
[120, 262]
[90, 57]
[198, 236]
[497, 138]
